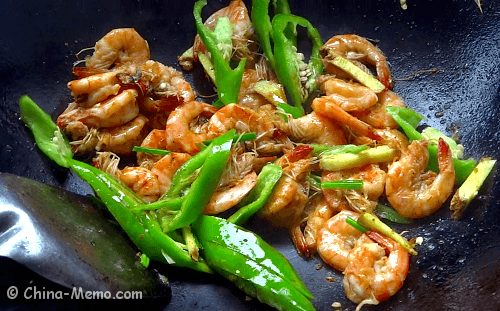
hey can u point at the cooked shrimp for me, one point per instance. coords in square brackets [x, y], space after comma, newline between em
[376, 269]
[186, 126]
[226, 197]
[290, 194]
[243, 40]
[350, 96]
[122, 139]
[336, 238]
[377, 116]
[417, 193]
[319, 215]
[362, 200]
[165, 88]
[265, 123]
[360, 50]
[315, 128]
[91, 90]
[122, 46]
[327, 107]
[166, 167]
[155, 139]
[142, 181]
[114, 111]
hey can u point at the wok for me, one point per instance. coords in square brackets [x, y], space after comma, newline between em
[457, 267]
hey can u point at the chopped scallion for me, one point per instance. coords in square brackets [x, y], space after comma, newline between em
[150, 150]
[343, 184]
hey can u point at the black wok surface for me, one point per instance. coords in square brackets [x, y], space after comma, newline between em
[457, 267]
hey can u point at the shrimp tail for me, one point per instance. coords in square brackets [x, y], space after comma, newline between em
[445, 158]
[299, 240]
[328, 108]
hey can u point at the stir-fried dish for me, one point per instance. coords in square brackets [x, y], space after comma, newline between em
[325, 162]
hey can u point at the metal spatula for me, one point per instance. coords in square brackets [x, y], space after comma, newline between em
[70, 240]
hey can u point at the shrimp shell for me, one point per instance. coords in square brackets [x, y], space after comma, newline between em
[122, 46]
[374, 273]
[350, 96]
[112, 112]
[417, 193]
[354, 47]
[336, 238]
[377, 116]
[181, 136]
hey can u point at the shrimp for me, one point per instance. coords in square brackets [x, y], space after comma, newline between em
[377, 267]
[155, 139]
[336, 238]
[164, 87]
[360, 50]
[122, 139]
[315, 220]
[328, 108]
[122, 46]
[316, 128]
[270, 139]
[114, 111]
[291, 193]
[91, 90]
[166, 167]
[243, 39]
[363, 200]
[142, 181]
[377, 116]
[350, 96]
[186, 126]
[413, 192]
[226, 197]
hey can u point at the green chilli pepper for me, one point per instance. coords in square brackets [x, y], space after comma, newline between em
[237, 254]
[227, 80]
[289, 66]
[253, 202]
[278, 39]
[142, 228]
[263, 27]
[121, 201]
[409, 119]
[253, 265]
[203, 187]
[47, 135]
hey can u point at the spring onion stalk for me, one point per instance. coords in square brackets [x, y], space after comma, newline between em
[356, 224]
[322, 150]
[342, 161]
[469, 189]
[373, 223]
[357, 73]
[343, 184]
[275, 94]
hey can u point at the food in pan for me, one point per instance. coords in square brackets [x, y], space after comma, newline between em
[326, 173]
